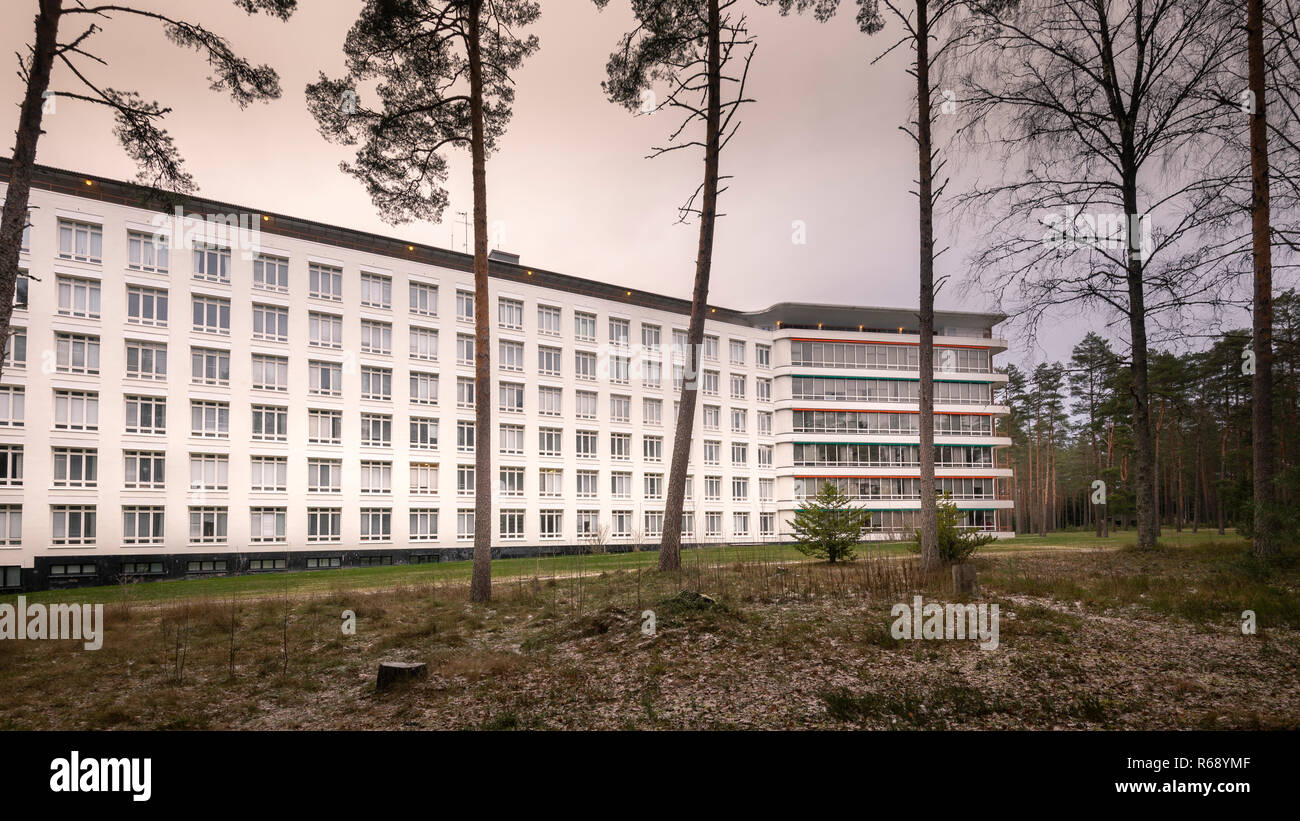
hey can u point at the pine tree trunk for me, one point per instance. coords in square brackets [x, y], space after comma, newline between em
[481, 581]
[1262, 383]
[670, 544]
[14, 217]
[930, 560]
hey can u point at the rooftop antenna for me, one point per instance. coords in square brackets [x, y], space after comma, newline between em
[464, 220]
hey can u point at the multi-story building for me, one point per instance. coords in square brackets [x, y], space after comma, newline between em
[326, 416]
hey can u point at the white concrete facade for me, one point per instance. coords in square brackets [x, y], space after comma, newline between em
[222, 377]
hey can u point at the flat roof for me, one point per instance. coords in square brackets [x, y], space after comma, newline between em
[104, 189]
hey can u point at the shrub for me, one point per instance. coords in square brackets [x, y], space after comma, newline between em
[828, 526]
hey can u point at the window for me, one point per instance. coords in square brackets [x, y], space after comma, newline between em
[25, 244]
[376, 477]
[619, 330]
[466, 393]
[78, 297]
[78, 410]
[550, 441]
[512, 439]
[11, 465]
[464, 436]
[424, 525]
[323, 562]
[620, 524]
[271, 273]
[620, 408]
[424, 388]
[269, 424]
[144, 469]
[737, 386]
[376, 430]
[740, 489]
[584, 326]
[713, 524]
[324, 475]
[620, 484]
[464, 524]
[146, 306]
[763, 388]
[548, 361]
[73, 467]
[739, 453]
[512, 481]
[712, 417]
[377, 384]
[737, 347]
[376, 291]
[324, 330]
[73, 524]
[740, 524]
[76, 353]
[424, 343]
[212, 367]
[212, 263]
[620, 446]
[651, 373]
[766, 490]
[550, 482]
[653, 448]
[711, 348]
[424, 433]
[465, 480]
[652, 411]
[325, 378]
[267, 524]
[548, 320]
[512, 398]
[510, 313]
[586, 444]
[11, 533]
[424, 298]
[709, 383]
[619, 369]
[584, 365]
[376, 337]
[376, 525]
[270, 373]
[210, 419]
[269, 474]
[209, 471]
[142, 568]
[765, 423]
[324, 524]
[650, 336]
[16, 349]
[739, 420]
[712, 488]
[146, 360]
[654, 523]
[142, 525]
[712, 452]
[464, 306]
[22, 289]
[211, 315]
[587, 482]
[552, 524]
[512, 524]
[424, 477]
[765, 456]
[584, 405]
[512, 355]
[324, 282]
[763, 355]
[654, 485]
[767, 524]
[550, 401]
[270, 322]
[81, 241]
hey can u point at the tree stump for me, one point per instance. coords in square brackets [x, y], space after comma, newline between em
[396, 672]
[963, 579]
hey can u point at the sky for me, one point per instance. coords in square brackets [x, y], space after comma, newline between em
[570, 184]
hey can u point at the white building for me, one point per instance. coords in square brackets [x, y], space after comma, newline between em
[324, 416]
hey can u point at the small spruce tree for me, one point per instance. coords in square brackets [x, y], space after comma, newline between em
[828, 526]
[955, 545]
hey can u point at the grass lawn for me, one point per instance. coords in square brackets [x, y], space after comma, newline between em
[1089, 639]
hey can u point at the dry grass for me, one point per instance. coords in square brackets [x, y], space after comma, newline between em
[1090, 639]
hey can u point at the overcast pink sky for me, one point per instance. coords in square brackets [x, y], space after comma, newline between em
[570, 182]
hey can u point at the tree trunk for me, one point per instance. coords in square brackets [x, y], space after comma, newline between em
[1144, 455]
[1262, 382]
[670, 544]
[14, 218]
[930, 560]
[481, 582]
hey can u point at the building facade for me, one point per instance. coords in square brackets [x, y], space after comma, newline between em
[193, 387]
